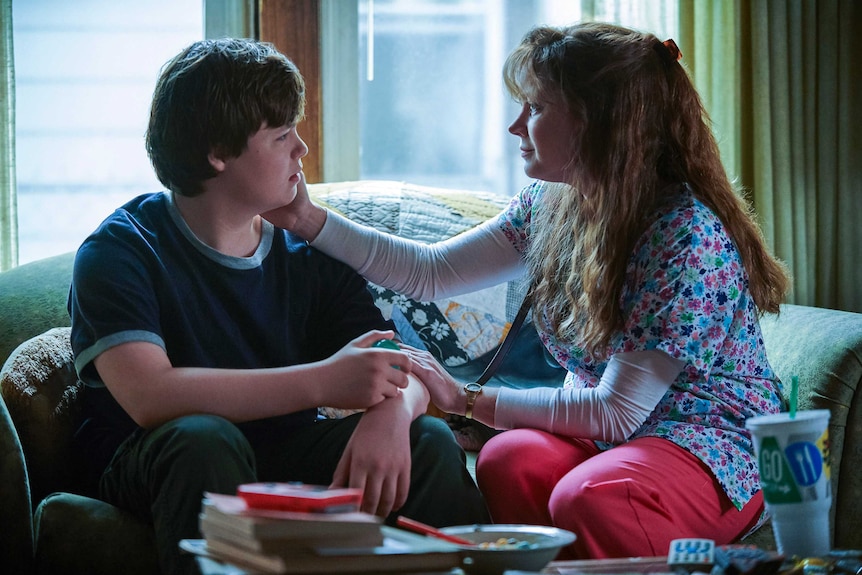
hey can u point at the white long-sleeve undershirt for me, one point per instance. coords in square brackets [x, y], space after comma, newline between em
[476, 259]
[632, 385]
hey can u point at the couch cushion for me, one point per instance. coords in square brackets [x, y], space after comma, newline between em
[40, 388]
[33, 299]
[80, 535]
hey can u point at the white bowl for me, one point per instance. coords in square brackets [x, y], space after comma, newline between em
[543, 544]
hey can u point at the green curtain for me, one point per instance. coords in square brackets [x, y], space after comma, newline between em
[8, 203]
[782, 83]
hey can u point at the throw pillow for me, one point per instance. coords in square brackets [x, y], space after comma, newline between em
[424, 321]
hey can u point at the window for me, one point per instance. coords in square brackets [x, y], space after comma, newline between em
[411, 91]
[432, 108]
[85, 72]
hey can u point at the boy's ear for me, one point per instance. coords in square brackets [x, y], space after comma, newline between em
[216, 160]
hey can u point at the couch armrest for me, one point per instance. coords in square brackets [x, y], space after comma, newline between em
[16, 544]
[823, 347]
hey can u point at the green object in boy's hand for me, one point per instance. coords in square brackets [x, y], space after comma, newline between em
[387, 343]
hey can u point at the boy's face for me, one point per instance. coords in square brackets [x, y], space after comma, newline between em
[267, 171]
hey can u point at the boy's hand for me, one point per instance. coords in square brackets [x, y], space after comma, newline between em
[377, 460]
[359, 376]
[301, 216]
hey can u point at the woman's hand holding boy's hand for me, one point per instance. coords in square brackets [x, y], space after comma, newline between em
[359, 376]
[446, 393]
[301, 216]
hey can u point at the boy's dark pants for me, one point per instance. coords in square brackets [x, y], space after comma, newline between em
[161, 475]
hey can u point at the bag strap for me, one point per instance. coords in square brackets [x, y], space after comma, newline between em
[507, 341]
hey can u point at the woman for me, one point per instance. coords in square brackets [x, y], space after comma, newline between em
[648, 273]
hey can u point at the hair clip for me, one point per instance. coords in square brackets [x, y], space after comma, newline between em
[672, 50]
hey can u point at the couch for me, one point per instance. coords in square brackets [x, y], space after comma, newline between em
[52, 524]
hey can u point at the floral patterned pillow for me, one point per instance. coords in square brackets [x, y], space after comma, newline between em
[422, 320]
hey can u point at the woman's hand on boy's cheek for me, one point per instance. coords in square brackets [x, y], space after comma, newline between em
[288, 215]
[301, 216]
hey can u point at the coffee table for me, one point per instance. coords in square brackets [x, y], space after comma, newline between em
[209, 566]
[624, 566]
[633, 566]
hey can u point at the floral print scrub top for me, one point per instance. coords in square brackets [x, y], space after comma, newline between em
[686, 293]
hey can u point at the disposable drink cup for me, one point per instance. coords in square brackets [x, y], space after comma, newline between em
[793, 460]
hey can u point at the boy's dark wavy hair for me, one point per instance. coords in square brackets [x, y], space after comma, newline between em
[211, 97]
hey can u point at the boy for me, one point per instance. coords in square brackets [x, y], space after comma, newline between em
[207, 338]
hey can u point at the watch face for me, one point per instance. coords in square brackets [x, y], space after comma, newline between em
[473, 387]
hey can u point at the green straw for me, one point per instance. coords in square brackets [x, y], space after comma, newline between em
[794, 394]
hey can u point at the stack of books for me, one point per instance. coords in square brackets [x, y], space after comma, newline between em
[263, 540]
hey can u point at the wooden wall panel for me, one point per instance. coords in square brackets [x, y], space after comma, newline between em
[293, 26]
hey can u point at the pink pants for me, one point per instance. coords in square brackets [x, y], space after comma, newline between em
[629, 501]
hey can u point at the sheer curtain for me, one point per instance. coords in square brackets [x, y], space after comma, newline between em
[782, 83]
[8, 216]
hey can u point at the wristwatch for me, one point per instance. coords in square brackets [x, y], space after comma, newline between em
[473, 390]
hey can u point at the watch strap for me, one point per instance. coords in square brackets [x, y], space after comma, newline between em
[472, 395]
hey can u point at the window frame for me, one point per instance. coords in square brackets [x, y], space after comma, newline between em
[293, 27]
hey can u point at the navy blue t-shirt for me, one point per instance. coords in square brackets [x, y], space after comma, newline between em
[144, 276]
